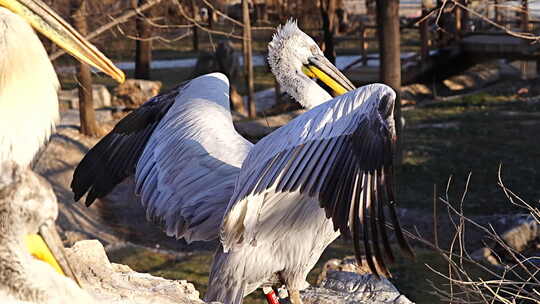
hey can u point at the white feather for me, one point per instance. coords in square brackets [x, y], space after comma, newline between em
[288, 51]
[187, 171]
[28, 91]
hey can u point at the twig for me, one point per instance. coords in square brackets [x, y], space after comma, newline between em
[116, 21]
[198, 25]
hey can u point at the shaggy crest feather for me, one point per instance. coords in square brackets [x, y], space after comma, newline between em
[295, 48]
[279, 39]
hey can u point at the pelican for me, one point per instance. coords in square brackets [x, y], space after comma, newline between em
[29, 104]
[27, 204]
[275, 205]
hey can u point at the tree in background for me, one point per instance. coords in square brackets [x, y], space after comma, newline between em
[390, 56]
[89, 126]
[370, 7]
[195, 15]
[143, 44]
[248, 60]
[328, 15]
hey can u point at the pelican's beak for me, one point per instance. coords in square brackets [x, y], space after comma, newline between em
[47, 22]
[321, 68]
[47, 246]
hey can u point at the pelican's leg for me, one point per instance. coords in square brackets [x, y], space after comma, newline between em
[295, 296]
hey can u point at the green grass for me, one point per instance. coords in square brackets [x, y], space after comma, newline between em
[481, 138]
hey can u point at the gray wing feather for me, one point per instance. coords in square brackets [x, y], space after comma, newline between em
[188, 176]
[185, 155]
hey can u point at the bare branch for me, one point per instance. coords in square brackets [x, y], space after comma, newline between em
[198, 25]
[116, 21]
[509, 284]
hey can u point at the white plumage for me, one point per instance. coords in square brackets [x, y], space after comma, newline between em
[282, 200]
[28, 83]
[288, 51]
[26, 203]
[28, 86]
[208, 154]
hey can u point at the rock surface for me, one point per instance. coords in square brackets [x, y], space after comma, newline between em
[341, 287]
[101, 96]
[134, 92]
[347, 264]
[260, 127]
[522, 236]
[115, 283]
[119, 284]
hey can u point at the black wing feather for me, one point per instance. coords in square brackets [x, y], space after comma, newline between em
[115, 156]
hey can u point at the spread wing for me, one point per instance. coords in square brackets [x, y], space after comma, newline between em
[184, 153]
[340, 155]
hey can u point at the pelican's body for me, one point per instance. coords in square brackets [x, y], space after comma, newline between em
[199, 179]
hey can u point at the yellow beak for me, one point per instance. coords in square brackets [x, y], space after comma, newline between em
[46, 21]
[47, 247]
[321, 68]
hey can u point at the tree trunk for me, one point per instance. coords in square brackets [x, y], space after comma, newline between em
[264, 12]
[237, 100]
[87, 114]
[195, 15]
[363, 44]
[370, 7]
[248, 62]
[458, 15]
[328, 14]
[524, 66]
[465, 16]
[389, 52]
[424, 36]
[525, 16]
[143, 47]
[210, 18]
[496, 9]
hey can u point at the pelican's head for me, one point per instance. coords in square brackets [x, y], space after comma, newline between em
[26, 197]
[28, 210]
[295, 59]
[46, 21]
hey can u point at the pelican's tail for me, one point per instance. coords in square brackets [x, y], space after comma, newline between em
[225, 285]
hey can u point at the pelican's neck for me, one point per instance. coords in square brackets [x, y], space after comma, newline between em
[28, 85]
[14, 278]
[304, 90]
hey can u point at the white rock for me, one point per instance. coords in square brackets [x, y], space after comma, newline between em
[114, 283]
[342, 287]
